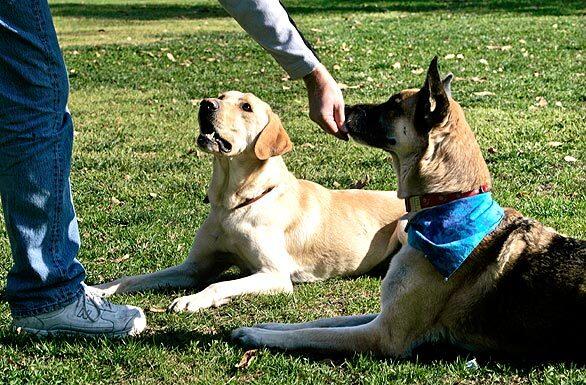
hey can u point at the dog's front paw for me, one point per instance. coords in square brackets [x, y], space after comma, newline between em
[190, 303]
[196, 302]
[110, 288]
[99, 291]
[247, 337]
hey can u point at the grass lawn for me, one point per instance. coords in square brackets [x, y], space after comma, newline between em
[138, 69]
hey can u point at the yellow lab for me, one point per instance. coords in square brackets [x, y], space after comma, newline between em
[266, 221]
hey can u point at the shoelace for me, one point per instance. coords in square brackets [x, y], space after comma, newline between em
[98, 302]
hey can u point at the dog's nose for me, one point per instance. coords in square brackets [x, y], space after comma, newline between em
[209, 105]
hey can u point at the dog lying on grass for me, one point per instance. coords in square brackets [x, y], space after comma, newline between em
[469, 272]
[264, 220]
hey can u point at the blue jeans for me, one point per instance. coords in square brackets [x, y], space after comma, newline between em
[36, 137]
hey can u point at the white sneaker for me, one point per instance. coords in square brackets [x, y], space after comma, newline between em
[90, 315]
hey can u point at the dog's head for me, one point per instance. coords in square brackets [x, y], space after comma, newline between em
[236, 123]
[402, 125]
[432, 147]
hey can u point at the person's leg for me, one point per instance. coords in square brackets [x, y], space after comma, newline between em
[36, 135]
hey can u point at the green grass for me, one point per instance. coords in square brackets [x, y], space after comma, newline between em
[135, 141]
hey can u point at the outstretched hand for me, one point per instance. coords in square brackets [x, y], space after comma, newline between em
[326, 103]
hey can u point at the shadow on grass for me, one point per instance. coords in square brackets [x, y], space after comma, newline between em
[174, 339]
[182, 339]
[430, 355]
[442, 354]
[156, 11]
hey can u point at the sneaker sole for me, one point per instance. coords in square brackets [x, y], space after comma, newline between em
[73, 333]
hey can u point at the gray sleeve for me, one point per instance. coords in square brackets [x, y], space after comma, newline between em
[267, 22]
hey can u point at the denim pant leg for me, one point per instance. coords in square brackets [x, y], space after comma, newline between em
[36, 137]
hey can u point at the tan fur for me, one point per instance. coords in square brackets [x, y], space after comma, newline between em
[453, 161]
[449, 160]
[298, 231]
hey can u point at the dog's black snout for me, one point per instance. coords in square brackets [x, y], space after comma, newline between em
[209, 105]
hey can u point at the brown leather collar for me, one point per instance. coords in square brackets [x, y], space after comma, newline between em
[419, 202]
[247, 201]
[252, 200]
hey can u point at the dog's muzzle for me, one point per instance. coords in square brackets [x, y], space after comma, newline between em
[363, 127]
[204, 140]
[208, 135]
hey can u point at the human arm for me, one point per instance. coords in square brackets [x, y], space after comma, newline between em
[268, 23]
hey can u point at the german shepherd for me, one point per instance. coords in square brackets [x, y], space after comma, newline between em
[520, 292]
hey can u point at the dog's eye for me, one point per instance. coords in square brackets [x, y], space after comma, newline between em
[246, 107]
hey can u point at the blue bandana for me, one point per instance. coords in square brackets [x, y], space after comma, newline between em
[448, 233]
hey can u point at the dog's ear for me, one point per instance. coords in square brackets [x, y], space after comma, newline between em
[273, 139]
[433, 102]
[447, 82]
